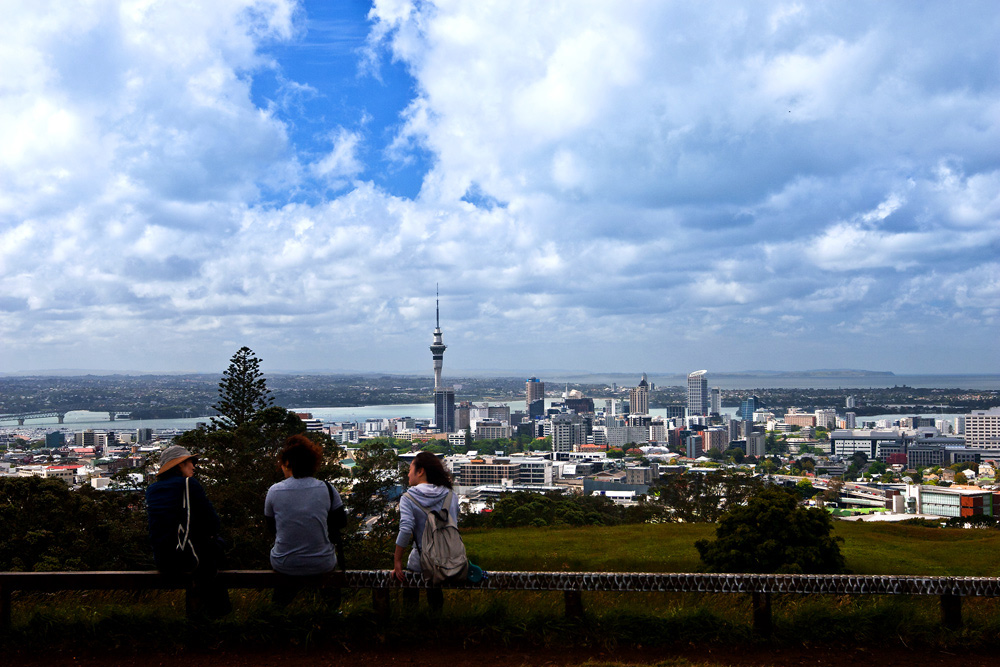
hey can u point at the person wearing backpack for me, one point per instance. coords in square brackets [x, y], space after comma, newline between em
[430, 491]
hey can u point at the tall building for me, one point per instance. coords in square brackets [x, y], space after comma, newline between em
[444, 397]
[826, 418]
[748, 406]
[982, 428]
[716, 407]
[638, 398]
[534, 390]
[698, 393]
[444, 410]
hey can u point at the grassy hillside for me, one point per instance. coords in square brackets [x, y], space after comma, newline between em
[870, 548]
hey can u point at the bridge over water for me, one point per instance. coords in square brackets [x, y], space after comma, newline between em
[21, 417]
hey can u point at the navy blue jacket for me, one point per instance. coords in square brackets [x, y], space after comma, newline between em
[165, 505]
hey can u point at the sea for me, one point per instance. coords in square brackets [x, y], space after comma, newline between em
[79, 420]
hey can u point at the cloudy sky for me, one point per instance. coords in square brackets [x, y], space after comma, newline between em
[604, 186]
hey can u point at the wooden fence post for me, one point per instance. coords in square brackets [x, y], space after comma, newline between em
[951, 611]
[574, 604]
[4, 607]
[762, 613]
[380, 603]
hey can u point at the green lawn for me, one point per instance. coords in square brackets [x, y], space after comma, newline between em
[870, 548]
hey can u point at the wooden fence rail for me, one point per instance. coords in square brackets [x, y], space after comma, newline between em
[950, 590]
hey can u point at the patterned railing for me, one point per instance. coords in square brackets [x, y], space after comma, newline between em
[636, 582]
[950, 590]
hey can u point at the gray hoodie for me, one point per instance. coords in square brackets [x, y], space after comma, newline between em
[412, 519]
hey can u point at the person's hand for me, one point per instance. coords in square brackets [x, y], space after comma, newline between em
[397, 571]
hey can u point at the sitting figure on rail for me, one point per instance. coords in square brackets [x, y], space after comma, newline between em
[306, 516]
[184, 530]
[430, 487]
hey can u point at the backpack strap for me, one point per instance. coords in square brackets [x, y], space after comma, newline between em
[338, 543]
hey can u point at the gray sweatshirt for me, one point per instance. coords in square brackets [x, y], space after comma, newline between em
[412, 519]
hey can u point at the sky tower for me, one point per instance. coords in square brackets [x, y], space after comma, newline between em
[437, 347]
[444, 397]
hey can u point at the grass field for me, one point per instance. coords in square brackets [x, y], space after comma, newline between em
[870, 548]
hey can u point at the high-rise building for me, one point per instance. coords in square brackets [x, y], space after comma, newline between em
[982, 428]
[638, 398]
[826, 418]
[748, 406]
[716, 407]
[444, 397]
[534, 389]
[698, 393]
[849, 402]
[444, 410]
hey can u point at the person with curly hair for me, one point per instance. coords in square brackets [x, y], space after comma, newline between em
[306, 516]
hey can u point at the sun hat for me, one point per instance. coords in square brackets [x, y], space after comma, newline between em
[172, 456]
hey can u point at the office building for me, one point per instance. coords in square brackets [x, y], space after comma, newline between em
[697, 393]
[982, 428]
[444, 410]
[716, 401]
[756, 444]
[638, 398]
[534, 390]
[826, 419]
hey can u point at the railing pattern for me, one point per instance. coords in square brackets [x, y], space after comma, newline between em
[950, 590]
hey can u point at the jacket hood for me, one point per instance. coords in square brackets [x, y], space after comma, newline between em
[428, 494]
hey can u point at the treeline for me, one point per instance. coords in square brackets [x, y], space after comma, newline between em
[553, 509]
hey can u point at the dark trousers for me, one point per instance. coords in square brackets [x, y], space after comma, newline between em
[207, 596]
[290, 586]
[411, 598]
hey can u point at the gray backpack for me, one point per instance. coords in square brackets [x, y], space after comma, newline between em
[442, 553]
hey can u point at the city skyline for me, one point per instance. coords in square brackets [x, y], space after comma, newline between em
[596, 187]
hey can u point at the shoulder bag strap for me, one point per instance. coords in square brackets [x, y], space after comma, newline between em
[184, 533]
[338, 542]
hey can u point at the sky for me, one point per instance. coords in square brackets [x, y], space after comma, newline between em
[597, 186]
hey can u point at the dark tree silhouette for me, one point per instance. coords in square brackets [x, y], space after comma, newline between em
[772, 533]
[242, 391]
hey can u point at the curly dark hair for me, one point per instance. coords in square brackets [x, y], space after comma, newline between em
[431, 464]
[302, 455]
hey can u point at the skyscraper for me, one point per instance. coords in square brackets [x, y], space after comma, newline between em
[698, 393]
[534, 390]
[638, 398]
[716, 408]
[444, 397]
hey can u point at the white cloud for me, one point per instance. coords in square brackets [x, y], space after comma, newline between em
[674, 173]
[342, 161]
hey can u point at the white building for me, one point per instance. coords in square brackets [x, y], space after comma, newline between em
[982, 428]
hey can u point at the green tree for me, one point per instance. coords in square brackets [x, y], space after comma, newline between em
[242, 391]
[371, 521]
[701, 497]
[805, 488]
[960, 478]
[772, 533]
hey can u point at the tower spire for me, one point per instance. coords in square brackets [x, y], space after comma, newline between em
[437, 347]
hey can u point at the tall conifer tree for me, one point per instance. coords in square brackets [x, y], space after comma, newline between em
[242, 391]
